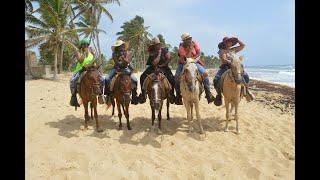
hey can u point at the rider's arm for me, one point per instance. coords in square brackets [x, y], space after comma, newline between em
[81, 58]
[157, 59]
[197, 48]
[238, 48]
[167, 59]
[93, 52]
[223, 58]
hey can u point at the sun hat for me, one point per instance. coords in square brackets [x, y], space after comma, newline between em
[154, 41]
[118, 43]
[185, 36]
[222, 44]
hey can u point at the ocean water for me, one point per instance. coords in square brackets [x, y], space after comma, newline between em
[280, 74]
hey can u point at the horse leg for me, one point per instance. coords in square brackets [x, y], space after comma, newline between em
[126, 112]
[153, 116]
[198, 117]
[227, 115]
[119, 114]
[232, 106]
[168, 114]
[159, 115]
[96, 115]
[91, 107]
[236, 117]
[187, 105]
[191, 109]
[86, 114]
[113, 106]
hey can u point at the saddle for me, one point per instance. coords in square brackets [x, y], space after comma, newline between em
[113, 80]
[154, 77]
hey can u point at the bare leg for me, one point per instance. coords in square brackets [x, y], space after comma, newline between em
[198, 117]
[227, 115]
[119, 114]
[86, 114]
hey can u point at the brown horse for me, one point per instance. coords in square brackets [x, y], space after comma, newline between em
[122, 93]
[157, 88]
[89, 89]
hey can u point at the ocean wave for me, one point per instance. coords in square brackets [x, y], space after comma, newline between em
[287, 73]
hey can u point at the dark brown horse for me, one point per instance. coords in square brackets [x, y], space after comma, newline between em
[157, 93]
[89, 89]
[122, 93]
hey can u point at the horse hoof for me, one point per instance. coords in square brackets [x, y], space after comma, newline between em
[99, 130]
[120, 128]
[226, 130]
[238, 132]
[168, 119]
[129, 128]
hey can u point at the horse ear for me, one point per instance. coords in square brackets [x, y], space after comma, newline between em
[241, 58]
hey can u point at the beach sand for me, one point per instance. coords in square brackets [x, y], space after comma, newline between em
[57, 147]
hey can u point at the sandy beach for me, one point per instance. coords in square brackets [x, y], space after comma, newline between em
[57, 147]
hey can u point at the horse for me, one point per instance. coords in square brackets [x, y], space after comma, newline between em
[157, 87]
[232, 89]
[122, 93]
[191, 90]
[89, 89]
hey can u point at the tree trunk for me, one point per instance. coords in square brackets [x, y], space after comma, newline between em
[99, 54]
[61, 54]
[55, 63]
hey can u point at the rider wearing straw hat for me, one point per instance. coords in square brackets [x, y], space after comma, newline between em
[84, 57]
[191, 49]
[158, 57]
[226, 52]
[121, 59]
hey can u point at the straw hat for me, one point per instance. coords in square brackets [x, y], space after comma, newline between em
[154, 41]
[185, 36]
[118, 43]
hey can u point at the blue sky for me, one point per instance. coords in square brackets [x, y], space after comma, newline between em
[265, 26]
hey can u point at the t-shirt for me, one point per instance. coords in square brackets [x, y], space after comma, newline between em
[86, 61]
[183, 52]
[229, 54]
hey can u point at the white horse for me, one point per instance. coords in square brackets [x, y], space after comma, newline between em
[191, 90]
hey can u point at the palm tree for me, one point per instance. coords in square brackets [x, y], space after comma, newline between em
[135, 33]
[51, 27]
[93, 10]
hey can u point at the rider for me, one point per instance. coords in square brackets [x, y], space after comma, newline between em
[226, 52]
[158, 56]
[191, 49]
[120, 56]
[85, 56]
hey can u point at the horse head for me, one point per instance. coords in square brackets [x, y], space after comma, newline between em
[124, 84]
[190, 74]
[237, 68]
[92, 79]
